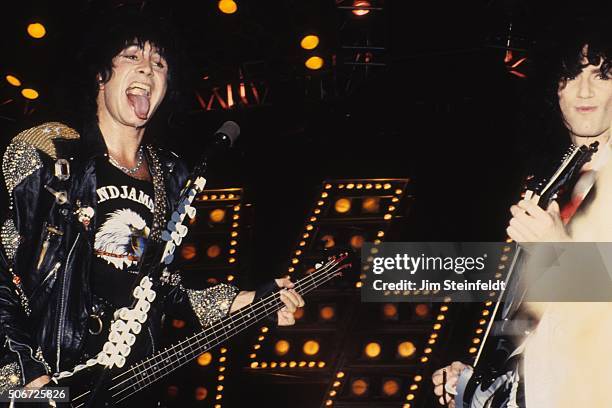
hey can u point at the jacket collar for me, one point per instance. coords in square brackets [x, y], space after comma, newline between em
[92, 143]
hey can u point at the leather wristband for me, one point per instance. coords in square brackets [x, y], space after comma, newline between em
[264, 290]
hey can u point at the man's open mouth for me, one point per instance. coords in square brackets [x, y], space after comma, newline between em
[138, 95]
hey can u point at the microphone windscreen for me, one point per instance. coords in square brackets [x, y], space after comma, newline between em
[231, 130]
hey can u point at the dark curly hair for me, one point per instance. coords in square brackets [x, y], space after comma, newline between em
[558, 57]
[113, 31]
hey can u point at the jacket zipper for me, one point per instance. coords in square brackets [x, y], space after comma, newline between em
[62, 304]
[51, 272]
[51, 230]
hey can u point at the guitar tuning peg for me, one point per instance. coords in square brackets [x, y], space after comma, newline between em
[168, 259]
[176, 217]
[318, 265]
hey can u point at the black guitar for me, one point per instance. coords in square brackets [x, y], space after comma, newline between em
[123, 383]
[496, 358]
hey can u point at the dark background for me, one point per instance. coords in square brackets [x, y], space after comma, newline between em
[442, 110]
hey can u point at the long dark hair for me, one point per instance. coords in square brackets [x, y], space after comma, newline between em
[557, 57]
[111, 31]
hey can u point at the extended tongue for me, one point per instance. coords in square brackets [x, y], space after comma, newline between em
[140, 104]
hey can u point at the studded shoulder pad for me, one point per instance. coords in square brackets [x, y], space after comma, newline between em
[22, 156]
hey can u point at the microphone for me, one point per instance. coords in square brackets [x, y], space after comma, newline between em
[224, 138]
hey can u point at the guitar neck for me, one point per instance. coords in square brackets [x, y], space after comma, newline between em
[159, 365]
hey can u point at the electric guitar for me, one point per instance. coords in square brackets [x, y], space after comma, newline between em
[123, 383]
[497, 358]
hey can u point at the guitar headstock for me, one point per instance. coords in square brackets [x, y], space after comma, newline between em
[335, 264]
[573, 160]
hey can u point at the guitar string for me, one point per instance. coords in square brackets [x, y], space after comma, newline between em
[199, 349]
[163, 374]
[262, 305]
[245, 322]
[217, 340]
[221, 323]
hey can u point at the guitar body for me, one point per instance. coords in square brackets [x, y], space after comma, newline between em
[85, 382]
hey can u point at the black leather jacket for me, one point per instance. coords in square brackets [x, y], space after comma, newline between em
[48, 251]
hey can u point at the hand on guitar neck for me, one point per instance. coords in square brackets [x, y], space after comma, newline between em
[288, 296]
[445, 382]
[530, 223]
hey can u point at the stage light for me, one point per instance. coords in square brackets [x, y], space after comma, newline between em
[370, 205]
[359, 387]
[282, 347]
[36, 30]
[314, 63]
[390, 388]
[311, 347]
[327, 313]
[172, 391]
[357, 241]
[372, 350]
[189, 252]
[29, 93]
[390, 311]
[217, 215]
[309, 42]
[204, 359]
[228, 6]
[13, 80]
[201, 393]
[421, 310]
[299, 313]
[406, 349]
[328, 241]
[342, 205]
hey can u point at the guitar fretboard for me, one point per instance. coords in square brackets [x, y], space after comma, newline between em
[159, 365]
